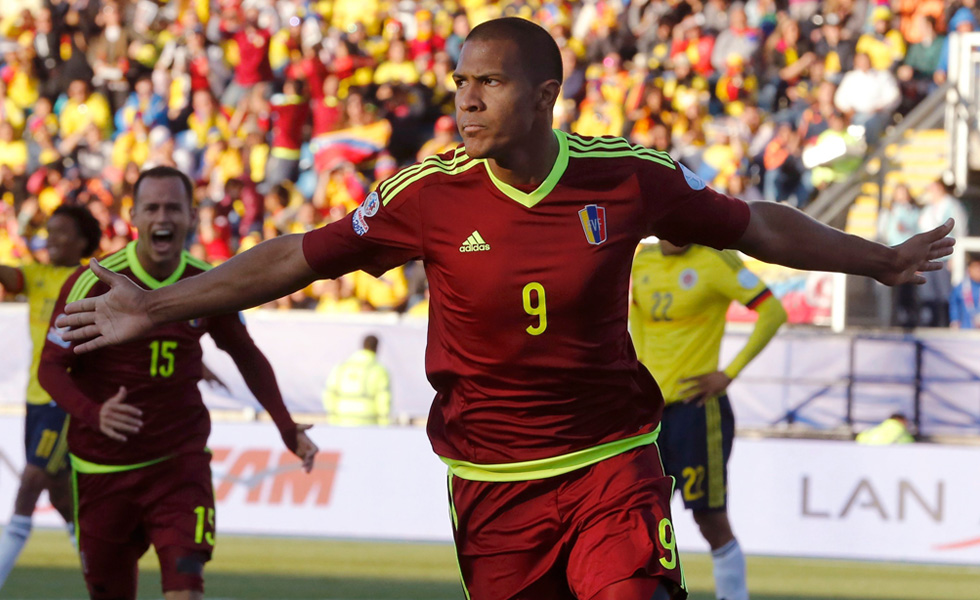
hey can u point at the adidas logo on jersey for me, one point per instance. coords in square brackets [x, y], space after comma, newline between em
[474, 243]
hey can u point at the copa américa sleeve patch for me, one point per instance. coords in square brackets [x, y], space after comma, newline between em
[693, 180]
[362, 213]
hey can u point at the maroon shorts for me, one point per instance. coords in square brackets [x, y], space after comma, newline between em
[169, 504]
[567, 537]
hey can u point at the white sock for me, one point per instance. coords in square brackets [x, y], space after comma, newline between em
[12, 541]
[729, 568]
[70, 528]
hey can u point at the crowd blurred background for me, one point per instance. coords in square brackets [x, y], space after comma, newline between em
[286, 113]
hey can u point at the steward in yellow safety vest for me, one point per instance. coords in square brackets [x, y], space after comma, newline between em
[359, 389]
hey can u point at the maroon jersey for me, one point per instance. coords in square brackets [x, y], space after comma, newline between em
[160, 373]
[528, 349]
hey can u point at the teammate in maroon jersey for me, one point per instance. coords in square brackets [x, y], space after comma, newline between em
[139, 428]
[542, 411]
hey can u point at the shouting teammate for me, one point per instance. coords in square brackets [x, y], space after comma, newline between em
[139, 428]
[681, 295]
[73, 234]
[542, 410]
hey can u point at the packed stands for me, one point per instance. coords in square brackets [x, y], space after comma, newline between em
[287, 113]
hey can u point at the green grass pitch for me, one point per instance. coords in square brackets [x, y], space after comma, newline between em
[258, 568]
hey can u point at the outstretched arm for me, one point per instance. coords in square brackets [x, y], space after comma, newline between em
[268, 271]
[782, 235]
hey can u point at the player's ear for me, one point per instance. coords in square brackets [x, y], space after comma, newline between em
[547, 95]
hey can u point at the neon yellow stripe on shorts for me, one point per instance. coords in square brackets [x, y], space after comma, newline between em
[81, 465]
[544, 468]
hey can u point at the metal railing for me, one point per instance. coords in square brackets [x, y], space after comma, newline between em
[831, 205]
[962, 99]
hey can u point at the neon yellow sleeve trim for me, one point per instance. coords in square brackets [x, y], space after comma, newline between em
[771, 316]
[83, 466]
[544, 468]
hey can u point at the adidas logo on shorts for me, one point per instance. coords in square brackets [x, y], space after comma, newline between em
[474, 243]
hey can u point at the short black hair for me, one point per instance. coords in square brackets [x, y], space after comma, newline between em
[88, 226]
[163, 172]
[371, 343]
[542, 56]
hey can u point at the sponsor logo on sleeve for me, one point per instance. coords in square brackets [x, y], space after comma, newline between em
[747, 279]
[693, 180]
[357, 220]
[56, 336]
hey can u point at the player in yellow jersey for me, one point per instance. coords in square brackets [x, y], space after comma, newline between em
[73, 233]
[680, 297]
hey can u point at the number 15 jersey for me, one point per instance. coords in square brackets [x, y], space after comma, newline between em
[528, 349]
[159, 371]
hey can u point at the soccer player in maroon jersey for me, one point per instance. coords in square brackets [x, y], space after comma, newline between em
[139, 428]
[542, 411]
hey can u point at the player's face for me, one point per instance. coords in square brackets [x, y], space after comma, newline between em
[495, 102]
[65, 242]
[163, 217]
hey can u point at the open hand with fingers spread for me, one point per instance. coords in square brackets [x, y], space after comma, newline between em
[117, 419]
[117, 316]
[918, 254]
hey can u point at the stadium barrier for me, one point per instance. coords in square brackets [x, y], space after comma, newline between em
[811, 498]
[805, 379]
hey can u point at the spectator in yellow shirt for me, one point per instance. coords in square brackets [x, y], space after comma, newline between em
[388, 292]
[9, 111]
[599, 116]
[84, 107]
[132, 145]
[398, 68]
[13, 152]
[885, 46]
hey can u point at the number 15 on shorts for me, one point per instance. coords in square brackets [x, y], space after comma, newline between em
[204, 531]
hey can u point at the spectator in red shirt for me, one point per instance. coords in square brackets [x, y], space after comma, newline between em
[311, 69]
[290, 112]
[253, 49]
[426, 41]
[328, 110]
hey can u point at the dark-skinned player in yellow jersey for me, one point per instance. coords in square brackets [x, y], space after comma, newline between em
[542, 412]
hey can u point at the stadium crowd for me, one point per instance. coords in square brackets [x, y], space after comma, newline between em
[286, 113]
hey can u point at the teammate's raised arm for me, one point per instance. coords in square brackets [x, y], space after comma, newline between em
[268, 271]
[783, 235]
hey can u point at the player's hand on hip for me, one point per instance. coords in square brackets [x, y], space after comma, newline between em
[117, 419]
[117, 316]
[918, 254]
[702, 387]
[305, 448]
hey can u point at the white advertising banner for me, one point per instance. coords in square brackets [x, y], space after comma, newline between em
[788, 497]
[367, 483]
[833, 499]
